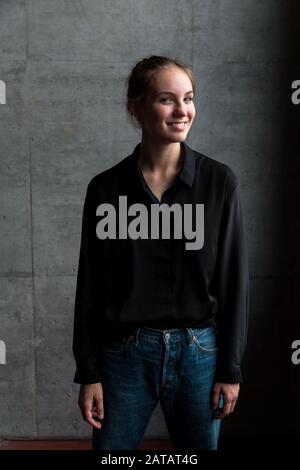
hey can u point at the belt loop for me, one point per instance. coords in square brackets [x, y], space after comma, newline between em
[190, 336]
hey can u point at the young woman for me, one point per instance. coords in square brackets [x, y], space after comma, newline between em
[161, 308]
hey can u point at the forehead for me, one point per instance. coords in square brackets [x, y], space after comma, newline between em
[171, 79]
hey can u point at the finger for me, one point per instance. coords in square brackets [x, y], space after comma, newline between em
[233, 405]
[89, 419]
[95, 413]
[99, 408]
[225, 410]
[87, 415]
[217, 412]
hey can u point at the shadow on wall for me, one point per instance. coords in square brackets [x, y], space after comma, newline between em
[270, 376]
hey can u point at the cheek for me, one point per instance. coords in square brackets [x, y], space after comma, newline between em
[160, 114]
[192, 113]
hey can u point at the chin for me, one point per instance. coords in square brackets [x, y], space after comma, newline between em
[179, 137]
[172, 137]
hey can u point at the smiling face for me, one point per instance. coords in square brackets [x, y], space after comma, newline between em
[168, 111]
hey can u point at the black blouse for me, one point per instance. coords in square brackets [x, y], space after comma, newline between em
[163, 278]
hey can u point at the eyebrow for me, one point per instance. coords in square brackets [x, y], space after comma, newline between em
[171, 93]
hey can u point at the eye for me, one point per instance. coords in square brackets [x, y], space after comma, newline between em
[163, 100]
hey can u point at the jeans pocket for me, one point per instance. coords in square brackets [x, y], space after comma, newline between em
[205, 339]
[116, 345]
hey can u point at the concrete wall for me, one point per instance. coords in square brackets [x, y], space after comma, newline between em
[65, 65]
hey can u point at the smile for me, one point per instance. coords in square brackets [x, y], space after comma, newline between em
[177, 125]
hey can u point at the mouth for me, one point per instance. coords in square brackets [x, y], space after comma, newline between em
[178, 125]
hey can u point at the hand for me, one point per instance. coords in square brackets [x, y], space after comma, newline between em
[90, 402]
[230, 394]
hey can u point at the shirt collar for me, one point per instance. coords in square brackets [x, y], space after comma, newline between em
[188, 170]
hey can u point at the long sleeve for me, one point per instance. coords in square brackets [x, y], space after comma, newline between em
[85, 341]
[231, 288]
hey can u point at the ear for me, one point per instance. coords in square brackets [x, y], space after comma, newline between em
[138, 111]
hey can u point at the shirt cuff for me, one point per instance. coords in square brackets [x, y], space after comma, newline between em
[228, 375]
[86, 377]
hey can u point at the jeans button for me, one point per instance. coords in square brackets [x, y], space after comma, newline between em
[167, 335]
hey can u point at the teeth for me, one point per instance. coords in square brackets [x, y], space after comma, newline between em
[177, 124]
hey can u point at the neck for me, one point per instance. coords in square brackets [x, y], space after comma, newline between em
[156, 157]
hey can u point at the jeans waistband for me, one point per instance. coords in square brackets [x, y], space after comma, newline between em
[170, 335]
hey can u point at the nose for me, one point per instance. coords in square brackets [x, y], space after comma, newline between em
[180, 109]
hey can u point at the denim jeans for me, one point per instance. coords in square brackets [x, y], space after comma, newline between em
[174, 367]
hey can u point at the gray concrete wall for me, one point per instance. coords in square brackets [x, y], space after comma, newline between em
[65, 65]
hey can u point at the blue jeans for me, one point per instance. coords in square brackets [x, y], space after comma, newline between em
[174, 367]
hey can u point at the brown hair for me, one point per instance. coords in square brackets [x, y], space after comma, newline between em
[139, 80]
